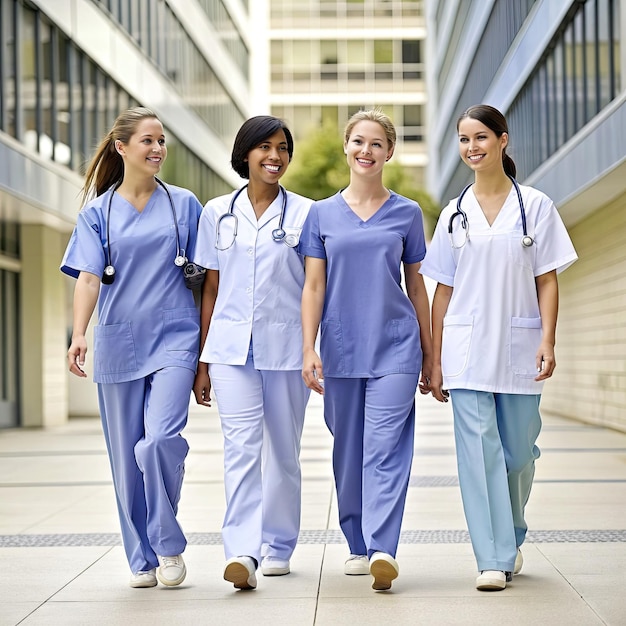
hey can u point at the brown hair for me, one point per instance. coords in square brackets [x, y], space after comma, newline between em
[372, 115]
[495, 121]
[107, 167]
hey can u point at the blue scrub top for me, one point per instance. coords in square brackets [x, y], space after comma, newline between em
[369, 327]
[147, 318]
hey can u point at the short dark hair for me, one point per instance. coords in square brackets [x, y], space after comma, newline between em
[253, 132]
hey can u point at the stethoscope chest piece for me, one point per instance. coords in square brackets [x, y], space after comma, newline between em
[278, 234]
[180, 260]
[527, 241]
[108, 276]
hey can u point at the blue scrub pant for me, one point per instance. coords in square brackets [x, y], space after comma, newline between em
[142, 422]
[262, 417]
[495, 437]
[372, 421]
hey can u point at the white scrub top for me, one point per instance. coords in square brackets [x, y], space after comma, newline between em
[260, 283]
[147, 319]
[492, 328]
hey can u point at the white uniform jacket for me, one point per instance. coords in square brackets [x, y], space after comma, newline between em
[492, 328]
[260, 283]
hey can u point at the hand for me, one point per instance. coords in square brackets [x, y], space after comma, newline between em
[545, 362]
[76, 356]
[436, 385]
[427, 367]
[312, 371]
[202, 385]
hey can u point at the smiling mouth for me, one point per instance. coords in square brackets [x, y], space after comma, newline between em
[272, 168]
[475, 157]
[365, 161]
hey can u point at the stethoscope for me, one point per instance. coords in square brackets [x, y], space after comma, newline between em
[108, 276]
[278, 234]
[527, 240]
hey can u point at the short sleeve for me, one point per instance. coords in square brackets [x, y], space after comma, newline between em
[85, 250]
[414, 243]
[555, 250]
[439, 263]
[194, 209]
[311, 242]
[205, 254]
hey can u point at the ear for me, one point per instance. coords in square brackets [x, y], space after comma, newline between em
[390, 153]
[504, 138]
[119, 147]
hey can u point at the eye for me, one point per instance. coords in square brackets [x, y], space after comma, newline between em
[283, 148]
[357, 141]
[161, 142]
[377, 145]
[463, 139]
[264, 146]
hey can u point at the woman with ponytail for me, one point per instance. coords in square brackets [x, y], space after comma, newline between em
[134, 235]
[494, 319]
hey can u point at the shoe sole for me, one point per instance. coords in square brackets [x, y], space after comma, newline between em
[238, 574]
[171, 583]
[143, 585]
[491, 585]
[362, 572]
[275, 571]
[383, 573]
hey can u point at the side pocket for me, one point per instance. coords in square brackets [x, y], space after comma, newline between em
[525, 339]
[114, 349]
[457, 338]
[332, 347]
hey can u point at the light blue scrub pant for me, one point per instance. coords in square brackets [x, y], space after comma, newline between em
[142, 421]
[495, 437]
[372, 421]
[262, 417]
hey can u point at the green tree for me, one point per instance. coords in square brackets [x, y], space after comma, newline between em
[319, 170]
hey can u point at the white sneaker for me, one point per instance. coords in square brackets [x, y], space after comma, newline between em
[144, 579]
[519, 562]
[172, 570]
[491, 580]
[384, 568]
[240, 570]
[356, 565]
[273, 566]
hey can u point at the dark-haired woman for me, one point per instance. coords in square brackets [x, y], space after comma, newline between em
[133, 237]
[251, 356]
[495, 255]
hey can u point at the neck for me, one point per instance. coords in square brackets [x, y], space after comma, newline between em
[262, 194]
[137, 186]
[491, 182]
[364, 189]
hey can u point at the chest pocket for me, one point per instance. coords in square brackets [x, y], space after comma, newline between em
[523, 256]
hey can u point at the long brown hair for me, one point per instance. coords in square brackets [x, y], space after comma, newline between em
[495, 121]
[107, 167]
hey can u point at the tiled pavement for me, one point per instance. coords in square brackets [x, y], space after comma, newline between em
[61, 560]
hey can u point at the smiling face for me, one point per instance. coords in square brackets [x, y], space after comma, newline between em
[367, 149]
[268, 161]
[479, 146]
[145, 151]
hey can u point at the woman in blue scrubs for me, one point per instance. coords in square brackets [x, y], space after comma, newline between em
[133, 236]
[251, 356]
[375, 340]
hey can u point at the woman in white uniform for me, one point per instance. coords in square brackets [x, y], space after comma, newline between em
[495, 254]
[251, 357]
[133, 237]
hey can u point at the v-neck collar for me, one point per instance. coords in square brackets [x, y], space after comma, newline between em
[480, 211]
[273, 210]
[146, 207]
[375, 218]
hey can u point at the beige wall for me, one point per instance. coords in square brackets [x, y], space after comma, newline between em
[590, 380]
[44, 394]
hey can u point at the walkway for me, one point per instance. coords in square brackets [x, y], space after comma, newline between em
[61, 561]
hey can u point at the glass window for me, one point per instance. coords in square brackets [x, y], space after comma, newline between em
[328, 52]
[356, 52]
[383, 51]
[411, 51]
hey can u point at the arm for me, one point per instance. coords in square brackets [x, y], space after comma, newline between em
[313, 296]
[202, 383]
[441, 300]
[416, 290]
[86, 295]
[548, 296]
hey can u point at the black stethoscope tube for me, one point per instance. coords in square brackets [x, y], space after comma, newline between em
[108, 276]
[527, 240]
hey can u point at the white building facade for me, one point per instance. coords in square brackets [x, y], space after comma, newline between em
[67, 68]
[557, 70]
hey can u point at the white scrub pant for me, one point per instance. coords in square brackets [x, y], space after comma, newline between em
[262, 416]
[372, 421]
[142, 422]
[495, 437]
